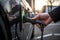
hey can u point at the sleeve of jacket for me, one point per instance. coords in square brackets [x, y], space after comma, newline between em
[55, 14]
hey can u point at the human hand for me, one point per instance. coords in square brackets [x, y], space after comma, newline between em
[44, 17]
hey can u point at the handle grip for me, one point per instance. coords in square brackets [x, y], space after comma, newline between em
[27, 19]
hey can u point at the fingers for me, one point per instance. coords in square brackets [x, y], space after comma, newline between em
[38, 25]
[41, 16]
[36, 17]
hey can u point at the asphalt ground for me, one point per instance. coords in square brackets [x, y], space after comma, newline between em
[51, 32]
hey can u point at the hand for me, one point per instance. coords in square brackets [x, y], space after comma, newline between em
[44, 17]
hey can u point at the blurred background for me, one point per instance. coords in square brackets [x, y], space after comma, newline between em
[32, 8]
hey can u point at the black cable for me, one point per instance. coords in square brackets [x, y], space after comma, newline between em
[15, 30]
[42, 30]
[16, 35]
[42, 24]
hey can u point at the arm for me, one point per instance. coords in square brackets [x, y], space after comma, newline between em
[47, 18]
[55, 14]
